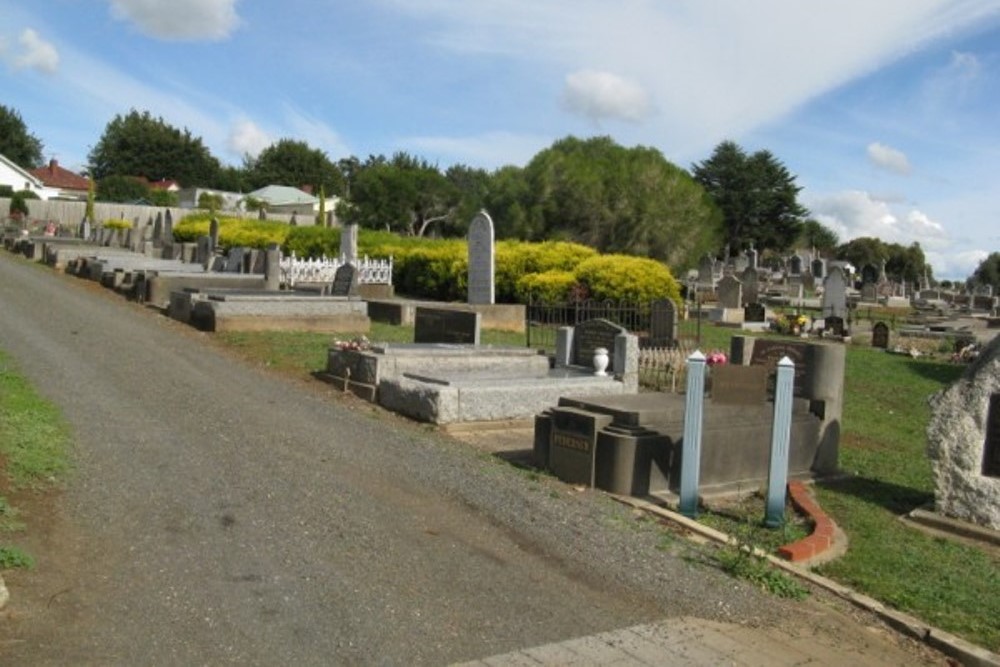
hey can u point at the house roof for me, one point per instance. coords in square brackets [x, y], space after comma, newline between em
[20, 171]
[278, 195]
[165, 184]
[55, 176]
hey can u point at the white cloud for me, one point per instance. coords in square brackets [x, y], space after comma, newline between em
[180, 19]
[34, 53]
[246, 138]
[855, 213]
[888, 158]
[603, 95]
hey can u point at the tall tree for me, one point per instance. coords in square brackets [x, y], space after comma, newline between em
[405, 194]
[756, 194]
[863, 250]
[988, 272]
[16, 143]
[818, 236]
[137, 144]
[617, 199]
[294, 163]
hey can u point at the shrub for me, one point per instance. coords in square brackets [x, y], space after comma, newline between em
[622, 277]
[309, 242]
[19, 203]
[549, 286]
[117, 223]
[233, 232]
[516, 259]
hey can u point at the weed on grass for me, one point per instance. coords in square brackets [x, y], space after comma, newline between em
[13, 557]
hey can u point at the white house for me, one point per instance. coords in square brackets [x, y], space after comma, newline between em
[21, 179]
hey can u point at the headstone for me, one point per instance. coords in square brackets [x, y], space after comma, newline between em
[834, 302]
[738, 385]
[564, 347]
[795, 265]
[272, 268]
[964, 442]
[752, 257]
[590, 335]
[835, 325]
[663, 323]
[706, 271]
[85, 229]
[234, 260]
[349, 243]
[168, 226]
[869, 274]
[754, 312]
[730, 292]
[204, 254]
[158, 231]
[345, 281]
[481, 260]
[818, 268]
[751, 285]
[768, 353]
[439, 325]
[880, 335]
[573, 444]
[213, 233]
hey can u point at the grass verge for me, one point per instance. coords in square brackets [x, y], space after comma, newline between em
[34, 452]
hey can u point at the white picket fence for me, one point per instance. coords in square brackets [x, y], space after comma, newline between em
[322, 270]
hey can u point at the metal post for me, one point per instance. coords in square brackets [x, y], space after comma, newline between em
[777, 477]
[691, 450]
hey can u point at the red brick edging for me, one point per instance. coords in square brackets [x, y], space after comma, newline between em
[821, 538]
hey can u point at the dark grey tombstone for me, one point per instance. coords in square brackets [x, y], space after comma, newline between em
[818, 268]
[768, 353]
[730, 292]
[158, 231]
[880, 335]
[834, 302]
[204, 253]
[255, 261]
[869, 274]
[795, 265]
[754, 312]
[213, 233]
[734, 384]
[345, 281]
[706, 270]
[439, 325]
[835, 325]
[752, 257]
[573, 444]
[662, 323]
[294, 222]
[590, 335]
[482, 260]
[234, 260]
[751, 285]
[168, 226]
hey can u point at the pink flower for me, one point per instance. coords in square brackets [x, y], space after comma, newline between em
[716, 357]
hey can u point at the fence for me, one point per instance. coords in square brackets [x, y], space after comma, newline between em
[323, 269]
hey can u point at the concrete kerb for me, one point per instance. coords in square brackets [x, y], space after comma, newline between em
[967, 653]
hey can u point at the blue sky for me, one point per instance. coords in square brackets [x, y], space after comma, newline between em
[887, 112]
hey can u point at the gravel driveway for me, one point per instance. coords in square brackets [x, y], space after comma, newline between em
[219, 515]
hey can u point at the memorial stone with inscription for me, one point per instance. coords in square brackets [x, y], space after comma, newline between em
[663, 323]
[590, 335]
[345, 281]
[963, 443]
[751, 285]
[880, 335]
[481, 260]
[834, 302]
[440, 325]
[730, 292]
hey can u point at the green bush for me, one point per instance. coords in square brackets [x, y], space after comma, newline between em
[19, 203]
[516, 259]
[619, 277]
[233, 232]
[117, 223]
[309, 242]
[549, 286]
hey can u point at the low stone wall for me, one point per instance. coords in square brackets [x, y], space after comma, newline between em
[504, 316]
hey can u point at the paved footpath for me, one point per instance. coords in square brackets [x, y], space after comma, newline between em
[221, 515]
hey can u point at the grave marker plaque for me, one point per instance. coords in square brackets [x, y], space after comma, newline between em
[438, 325]
[662, 323]
[768, 353]
[754, 312]
[481, 260]
[739, 385]
[835, 325]
[880, 335]
[573, 444]
[730, 291]
[991, 448]
[590, 335]
[345, 281]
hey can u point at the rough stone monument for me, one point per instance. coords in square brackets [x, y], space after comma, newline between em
[481, 260]
[963, 443]
[834, 303]
[730, 291]
[349, 243]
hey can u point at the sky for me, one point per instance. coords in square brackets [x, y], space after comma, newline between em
[886, 112]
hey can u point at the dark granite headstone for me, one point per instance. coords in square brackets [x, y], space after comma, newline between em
[880, 335]
[590, 335]
[439, 325]
[345, 281]
[662, 323]
[754, 312]
[768, 353]
[835, 325]
[573, 444]
[991, 450]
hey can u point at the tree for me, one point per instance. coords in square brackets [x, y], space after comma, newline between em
[616, 199]
[137, 144]
[19, 204]
[988, 272]
[210, 201]
[16, 143]
[863, 250]
[294, 163]
[757, 196]
[901, 262]
[123, 189]
[405, 194]
[818, 236]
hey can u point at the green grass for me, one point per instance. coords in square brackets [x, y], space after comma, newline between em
[947, 584]
[34, 451]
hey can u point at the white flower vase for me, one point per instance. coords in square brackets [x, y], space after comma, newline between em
[601, 361]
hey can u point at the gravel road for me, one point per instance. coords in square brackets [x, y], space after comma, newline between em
[219, 514]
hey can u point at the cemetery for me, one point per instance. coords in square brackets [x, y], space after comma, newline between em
[766, 414]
